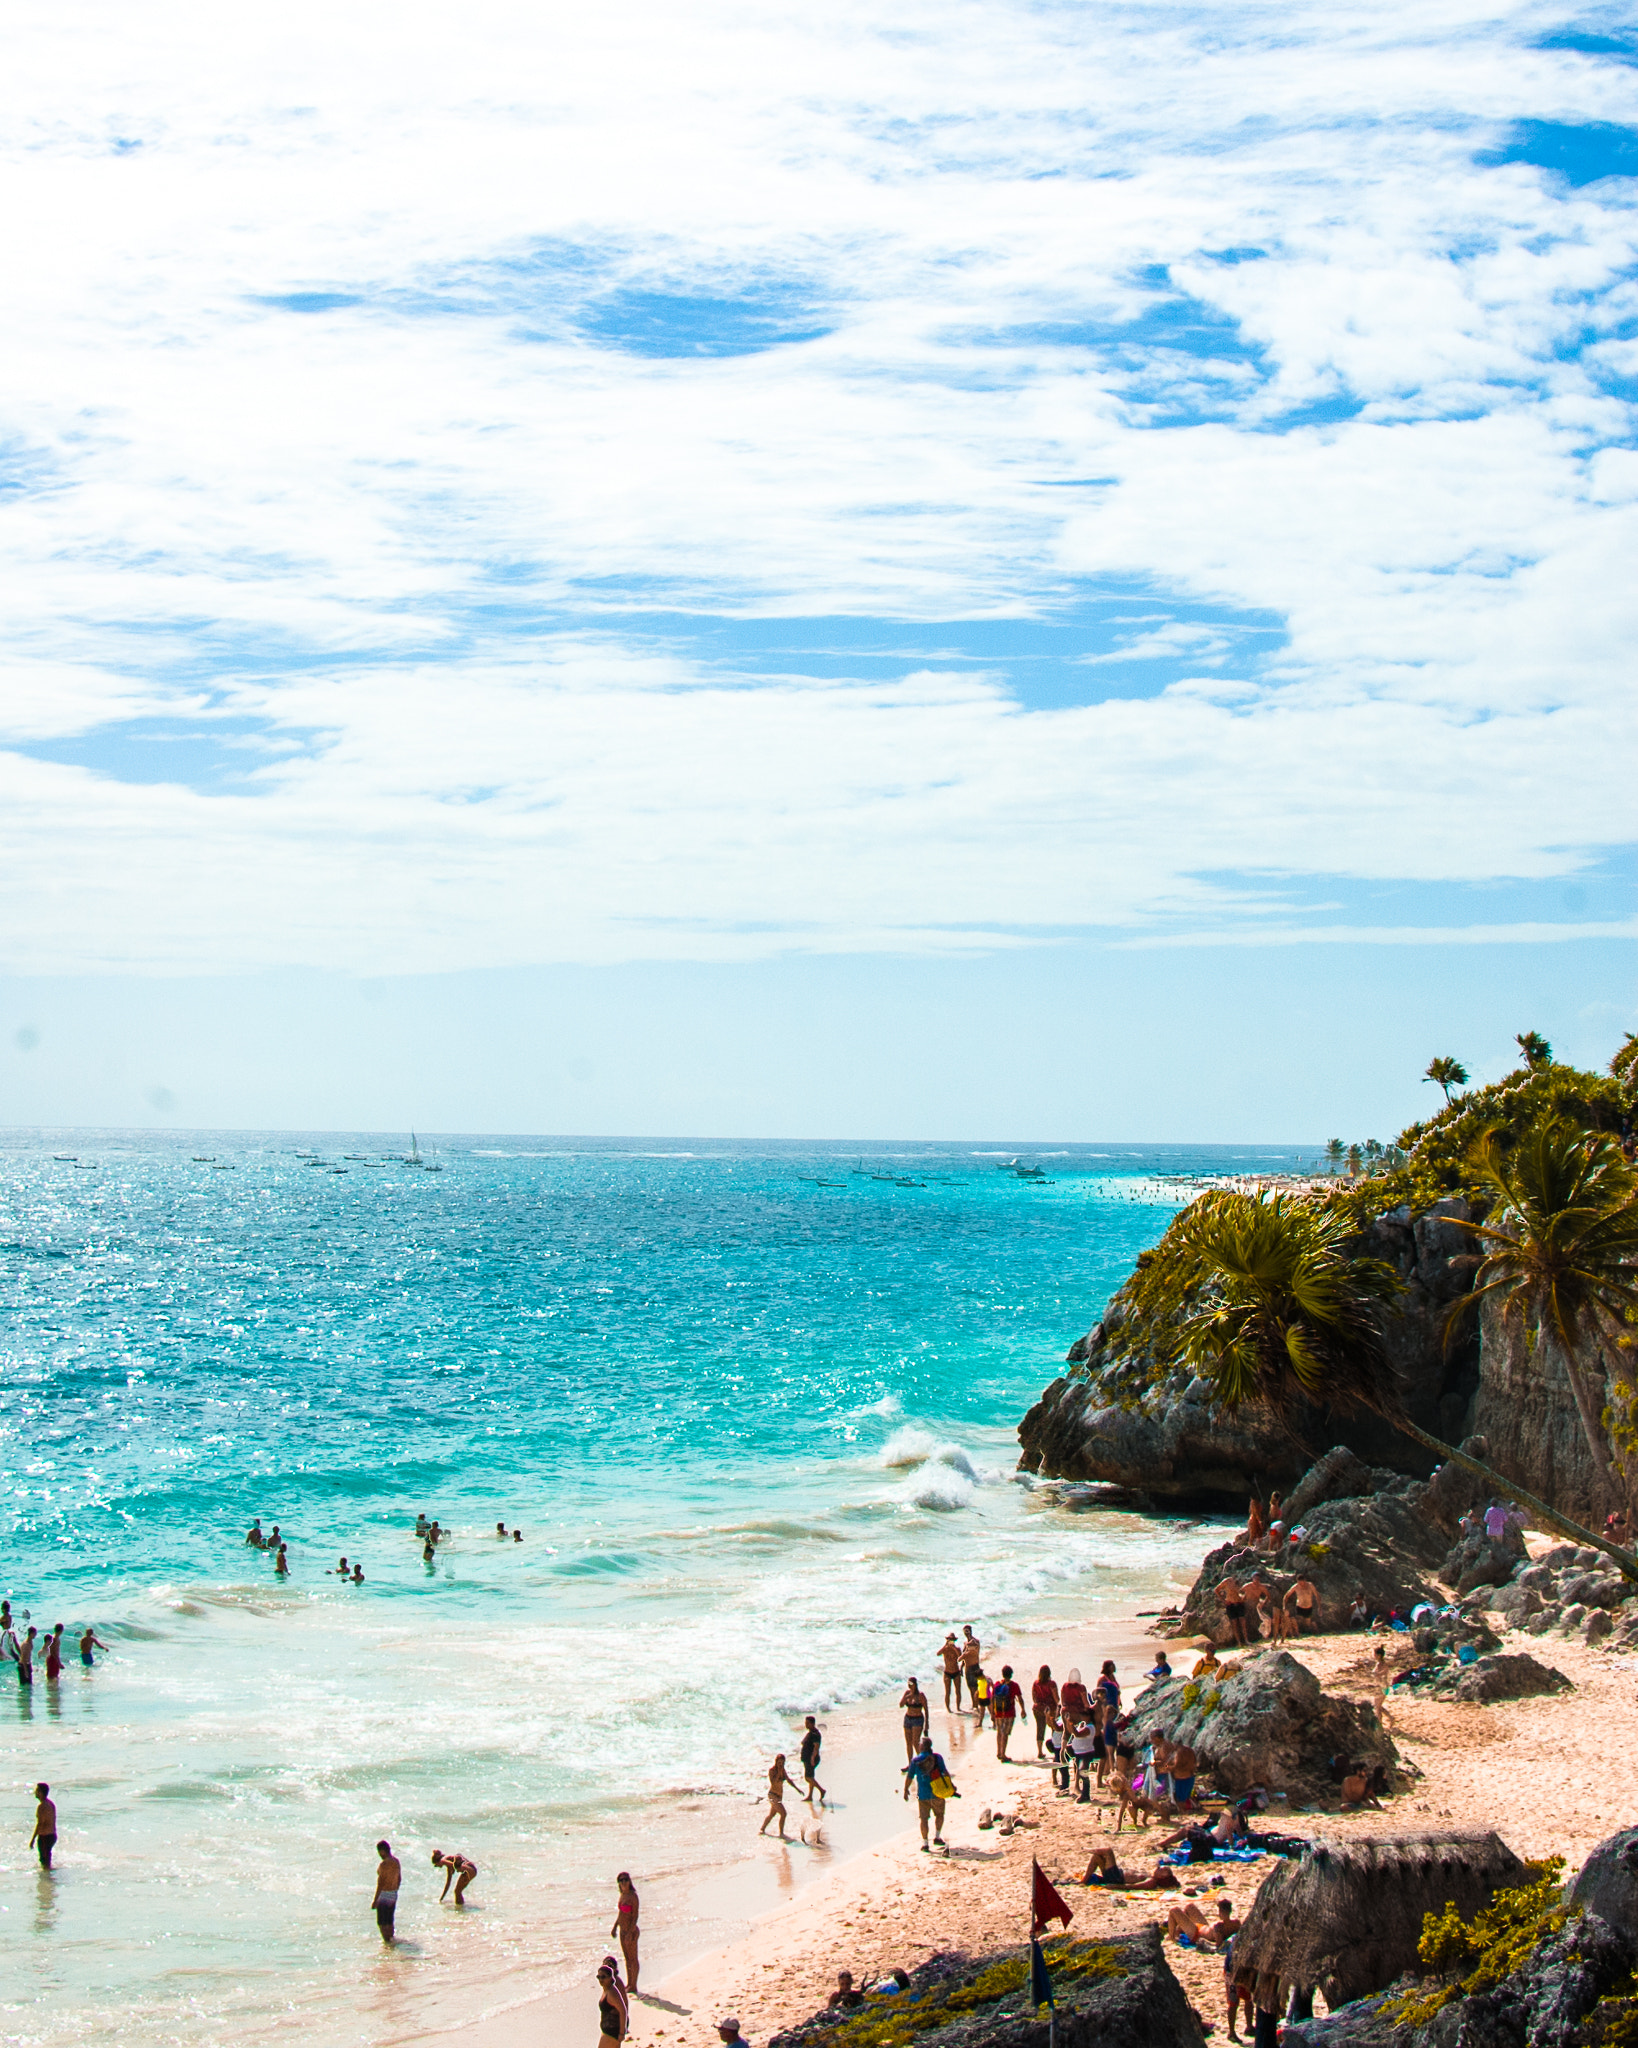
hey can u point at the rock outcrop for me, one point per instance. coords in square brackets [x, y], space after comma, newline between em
[1506, 1676]
[1135, 2001]
[1266, 1721]
[1173, 1446]
[1177, 1446]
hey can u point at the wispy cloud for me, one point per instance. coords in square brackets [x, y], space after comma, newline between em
[371, 385]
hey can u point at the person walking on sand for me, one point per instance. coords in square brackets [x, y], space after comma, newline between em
[389, 1875]
[778, 1779]
[1043, 1698]
[930, 1776]
[914, 1703]
[625, 1927]
[613, 2013]
[812, 1741]
[44, 1838]
[458, 1870]
[972, 1655]
[1005, 1700]
[950, 1658]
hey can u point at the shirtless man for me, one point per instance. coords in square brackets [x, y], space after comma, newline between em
[1183, 1767]
[972, 1654]
[950, 1658]
[1191, 1921]
[1302, 1602]
[458, 1870]
[812, 1742]
[778, 1779]
[1233, 1596]
[88, 1642]
[44, 1837]
[389, 1875]
[254, 1536]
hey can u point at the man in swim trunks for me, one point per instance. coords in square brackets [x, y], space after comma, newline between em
[44, 1838]
[389, 1875]
[88, 1642]
[972, 1654]
[1233, 1596]
[1182, 1766]
[812, 1739]
[1302, 1603]
[950, 1658]
[458, 1869]
[926, 1770]
[1006, 1698]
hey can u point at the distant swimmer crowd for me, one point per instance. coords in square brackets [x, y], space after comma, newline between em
[429, 1535]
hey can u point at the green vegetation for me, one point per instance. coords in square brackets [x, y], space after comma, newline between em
[896, 2022]
[1561, 1255]
[1448, 1072]
[1475, 1955]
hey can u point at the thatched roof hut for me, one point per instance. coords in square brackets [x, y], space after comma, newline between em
[1345, 1917]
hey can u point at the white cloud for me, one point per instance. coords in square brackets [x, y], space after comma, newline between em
[362, 527]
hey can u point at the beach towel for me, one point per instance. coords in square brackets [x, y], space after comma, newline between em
[1181, 1856]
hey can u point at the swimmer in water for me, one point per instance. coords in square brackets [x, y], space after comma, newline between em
[421, 1524]
[281, 1564]
[88, 1642]
[343, 1570]
[428, 1556]
[254, 1537]
[500, 1531]
[517, 1535]
[358, 1575]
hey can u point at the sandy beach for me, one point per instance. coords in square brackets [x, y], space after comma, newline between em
[1544, 1772]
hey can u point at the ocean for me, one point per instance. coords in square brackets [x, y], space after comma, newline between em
[752, 1406]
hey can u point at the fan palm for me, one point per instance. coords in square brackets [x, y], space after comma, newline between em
[1537, 1052]
[1288, 1316]
[1560, 1251]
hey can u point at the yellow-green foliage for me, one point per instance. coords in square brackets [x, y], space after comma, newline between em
[897, 2022]
[1212, 1701]
[1191, 1692]
[1475, 1955]
[1613, 2022]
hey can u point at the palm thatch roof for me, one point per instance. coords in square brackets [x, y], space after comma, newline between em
[1345, 1917]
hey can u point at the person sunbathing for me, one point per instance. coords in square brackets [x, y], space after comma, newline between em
[1103, 1869]
[1189, 1920]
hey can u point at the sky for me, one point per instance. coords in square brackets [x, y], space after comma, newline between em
[897, 569]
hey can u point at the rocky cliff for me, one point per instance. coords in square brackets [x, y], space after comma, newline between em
[1174, 1447]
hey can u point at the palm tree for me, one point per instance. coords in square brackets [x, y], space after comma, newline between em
[1334, 1152]
[1448, 1072]
[1289, 1316]
[1354, 1160]
[1537, 1052]
[1373, 1153]
[1560, 1251]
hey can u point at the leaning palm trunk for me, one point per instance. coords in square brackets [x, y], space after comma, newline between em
[1624, 1559]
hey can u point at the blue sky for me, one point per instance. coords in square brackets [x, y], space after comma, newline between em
[684, 501]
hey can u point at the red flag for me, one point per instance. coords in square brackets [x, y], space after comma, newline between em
[1045, 1903]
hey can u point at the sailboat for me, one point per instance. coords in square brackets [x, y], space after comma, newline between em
[414, 1158]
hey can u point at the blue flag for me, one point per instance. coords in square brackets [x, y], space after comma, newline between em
[1040, 1984]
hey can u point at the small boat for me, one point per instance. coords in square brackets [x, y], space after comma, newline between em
[204, 1159]
[413, 1156]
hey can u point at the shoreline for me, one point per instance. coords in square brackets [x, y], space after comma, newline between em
[890, 1906]
[769, 1899]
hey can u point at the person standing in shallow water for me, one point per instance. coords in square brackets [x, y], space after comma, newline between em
[54, 1655]
[44, 1838]
[625, 1928]
[389, 1875]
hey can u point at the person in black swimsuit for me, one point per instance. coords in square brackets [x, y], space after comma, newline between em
[612, 2015]
[914, 1703]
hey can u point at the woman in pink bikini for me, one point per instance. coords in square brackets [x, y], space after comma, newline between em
[625, 1928]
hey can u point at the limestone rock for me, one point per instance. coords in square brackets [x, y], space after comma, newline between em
[1509, 1675]
[1608, 1884]
[1266, 1722]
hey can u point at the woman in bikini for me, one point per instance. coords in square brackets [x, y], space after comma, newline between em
[914, 1703]
[458, 1870]
[625, 1926]
[778, 1779]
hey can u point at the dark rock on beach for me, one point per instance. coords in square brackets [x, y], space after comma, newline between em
[1608, 1884]
[1143, 2006]
[1267, 1721]
[1506, 1676]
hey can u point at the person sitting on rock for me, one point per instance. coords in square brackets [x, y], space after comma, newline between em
[1207, 1664]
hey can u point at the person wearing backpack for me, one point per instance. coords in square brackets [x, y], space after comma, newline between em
[930, 1775]
[1005, 1701]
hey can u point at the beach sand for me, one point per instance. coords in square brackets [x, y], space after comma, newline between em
[1549, 1774]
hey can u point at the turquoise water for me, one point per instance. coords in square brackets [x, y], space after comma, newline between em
[753, 1408]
